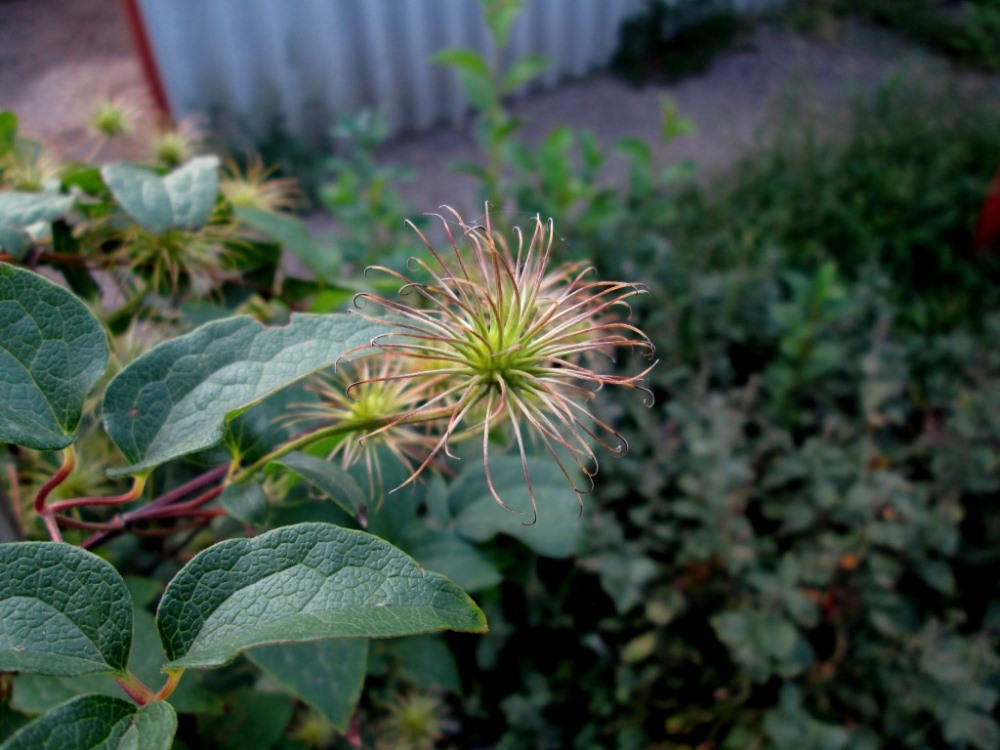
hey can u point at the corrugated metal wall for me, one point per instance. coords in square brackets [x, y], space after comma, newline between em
[248, 62]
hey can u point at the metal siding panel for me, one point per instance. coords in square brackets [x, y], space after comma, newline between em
[253, 59]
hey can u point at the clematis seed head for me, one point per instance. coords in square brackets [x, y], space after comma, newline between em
[510, 343]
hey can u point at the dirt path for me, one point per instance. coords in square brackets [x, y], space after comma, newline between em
[57, 59]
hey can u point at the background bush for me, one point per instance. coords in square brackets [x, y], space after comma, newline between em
[801, 550]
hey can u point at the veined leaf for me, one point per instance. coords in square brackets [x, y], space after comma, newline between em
[328, 675]
[246, 502]
[176, 398]
[20, 210]
[330, 479]
[37, 693]
[98, 722]
[63, 611]
[303, 583]
[323, 259]
[558, 531]
[52, 351]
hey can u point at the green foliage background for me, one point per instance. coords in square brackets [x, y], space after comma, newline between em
[801, 549]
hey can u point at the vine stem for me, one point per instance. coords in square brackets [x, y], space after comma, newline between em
[343, 428]
[138, 485]
[148, 511]
[48, 514]
[137, 690]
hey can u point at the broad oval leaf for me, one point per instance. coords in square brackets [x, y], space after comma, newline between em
[142, 194]
[303, 583]
[98, 722]
[176, 398]
[323, 259]
[52, 351]
[24, 209]
[558, 531]
[246, 502]
[63, 611]
[193, 189]
[331, 480]
[37, 693]
[183, 199]
[328, 675]
[20, 210]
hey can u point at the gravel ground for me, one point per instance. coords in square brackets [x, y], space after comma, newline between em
[57, 59]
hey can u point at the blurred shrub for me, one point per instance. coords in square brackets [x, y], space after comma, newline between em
[966, 30]
[802, 550]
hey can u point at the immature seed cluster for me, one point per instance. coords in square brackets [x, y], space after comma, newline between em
[490, 338]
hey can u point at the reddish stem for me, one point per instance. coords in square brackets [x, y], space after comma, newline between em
[47, 514]
[160, 533]
[69, 462]
[152, 509]
[183, 512]
[138, 483]
[74, 523]
[135, 690]
[178, 508]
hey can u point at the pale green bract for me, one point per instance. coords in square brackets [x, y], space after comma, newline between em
[181, 200]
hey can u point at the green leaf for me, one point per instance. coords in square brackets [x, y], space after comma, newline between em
[329, 479]
[522, 71]
[251, 719]
[328, 675]
[246, 502]
[463, 59]
[15, 241]
[177, 398]
[443, 552]
[322, 258]
[63, 611]
[142, 194]
[558, 531]
[303, 583]
[183, 199]
[426, 662]
[21, 210]
[98, 722]
[36, 693]
[8, 132]
[52, 351]
[24, 209]
[193, 189]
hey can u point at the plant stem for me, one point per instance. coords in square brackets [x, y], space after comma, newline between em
[149, 510]
[48, 514]
[135, 689]
[343, 428]
[173, 677]
[138, 485]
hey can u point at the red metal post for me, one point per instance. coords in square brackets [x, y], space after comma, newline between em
[137, 27]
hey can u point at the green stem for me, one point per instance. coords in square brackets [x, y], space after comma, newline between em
[343, 428]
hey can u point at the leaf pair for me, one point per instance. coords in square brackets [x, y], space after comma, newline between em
[66, 612]
[171, 402]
